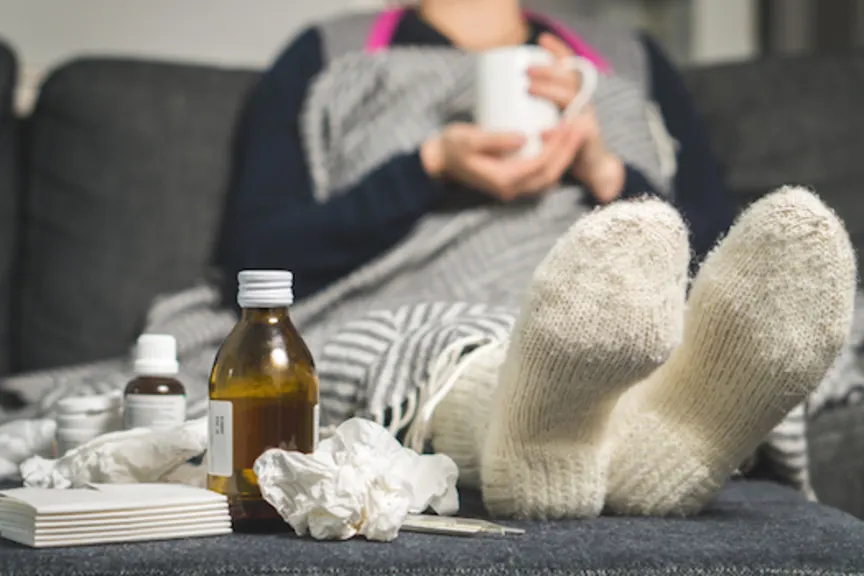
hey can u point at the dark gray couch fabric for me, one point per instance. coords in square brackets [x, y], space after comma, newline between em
[836, 455]
[9, 192]
[754, 528]
[128, 165]
[790, 121]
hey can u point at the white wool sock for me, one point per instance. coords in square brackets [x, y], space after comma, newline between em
[461, 420]
[605, 308]
[768, 313]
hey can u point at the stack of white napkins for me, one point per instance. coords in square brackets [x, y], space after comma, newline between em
[104, 513]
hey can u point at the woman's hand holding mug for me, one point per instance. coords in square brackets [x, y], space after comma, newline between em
[534, 123]
[487, 161]
[592, 163]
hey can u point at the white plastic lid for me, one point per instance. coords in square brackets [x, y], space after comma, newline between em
[156, 355]
[265, 288]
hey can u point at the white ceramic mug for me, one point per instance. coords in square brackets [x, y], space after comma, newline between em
[503, 101]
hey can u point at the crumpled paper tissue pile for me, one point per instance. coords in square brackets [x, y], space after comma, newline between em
[20, 440]
[360, 481]
[130, 456]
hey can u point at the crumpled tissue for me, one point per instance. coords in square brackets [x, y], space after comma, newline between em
[361, 480]
[20, 440]
[130, 456]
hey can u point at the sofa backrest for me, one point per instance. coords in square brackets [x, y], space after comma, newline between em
[127, 165]
[790, 121]
[128, 162]
[9, 192]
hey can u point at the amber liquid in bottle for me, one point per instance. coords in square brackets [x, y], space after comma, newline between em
[263, 394]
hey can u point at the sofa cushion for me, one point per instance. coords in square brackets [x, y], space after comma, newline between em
[790, 121]
[754, 528]
[9, 192]
[836, 438]
[129, 163]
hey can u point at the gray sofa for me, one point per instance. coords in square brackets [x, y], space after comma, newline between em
[111, 193]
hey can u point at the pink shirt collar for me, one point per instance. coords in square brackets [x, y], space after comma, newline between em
[385, 24]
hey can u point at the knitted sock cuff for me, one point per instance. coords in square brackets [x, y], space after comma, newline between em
[544, 487]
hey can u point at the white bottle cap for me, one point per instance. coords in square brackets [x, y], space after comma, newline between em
[156, 355]
[265, 288]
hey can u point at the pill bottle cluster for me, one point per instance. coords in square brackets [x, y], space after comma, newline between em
[153, 399]
[263, 393]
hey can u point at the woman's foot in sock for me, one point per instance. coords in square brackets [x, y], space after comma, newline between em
[605, 308]
[461, 420]
[767, 315]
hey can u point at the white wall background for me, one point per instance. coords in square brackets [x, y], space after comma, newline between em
[723, 30]
[226, 32]
[250, 32]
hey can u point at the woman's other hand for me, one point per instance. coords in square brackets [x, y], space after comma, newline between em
[486, 161]
[592, 163]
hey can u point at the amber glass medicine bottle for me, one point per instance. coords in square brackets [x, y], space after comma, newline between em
[263, 394]
[155, 398]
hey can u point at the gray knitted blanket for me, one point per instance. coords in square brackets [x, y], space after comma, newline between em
[457, 277]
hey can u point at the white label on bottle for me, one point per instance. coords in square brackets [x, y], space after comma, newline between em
[316, 423]
[153, 410]
[220, 445]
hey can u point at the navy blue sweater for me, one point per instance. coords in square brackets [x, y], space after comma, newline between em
[273, 222]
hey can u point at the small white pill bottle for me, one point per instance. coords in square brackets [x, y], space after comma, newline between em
[82, 418]
[155, 398]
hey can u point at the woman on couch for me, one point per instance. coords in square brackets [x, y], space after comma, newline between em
[274, 202]
[358, 171]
